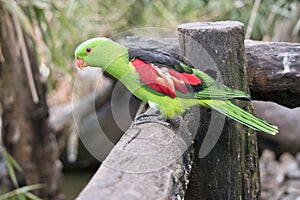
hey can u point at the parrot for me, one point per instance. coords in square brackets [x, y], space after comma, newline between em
[166, 82]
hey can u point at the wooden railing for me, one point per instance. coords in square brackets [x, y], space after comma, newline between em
[160, 159]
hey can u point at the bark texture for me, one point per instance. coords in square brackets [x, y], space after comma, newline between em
[25, 131]
[274, 72]
[229, 169]
[152, 160]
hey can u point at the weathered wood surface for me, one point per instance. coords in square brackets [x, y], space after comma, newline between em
[228, 169]
[151, 161]
[274, 72]
[110, 182]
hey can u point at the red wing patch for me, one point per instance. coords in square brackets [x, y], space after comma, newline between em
[164, 80]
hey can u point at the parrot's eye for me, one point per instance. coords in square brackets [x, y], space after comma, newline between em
[88, 50]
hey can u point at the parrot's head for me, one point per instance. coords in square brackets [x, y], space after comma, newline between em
[86, 49]
[98, 52]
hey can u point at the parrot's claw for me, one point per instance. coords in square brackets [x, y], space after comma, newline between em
[150, 116]
[141, 109]
[135, 123]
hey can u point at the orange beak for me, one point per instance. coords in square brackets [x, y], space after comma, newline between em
[81, 63]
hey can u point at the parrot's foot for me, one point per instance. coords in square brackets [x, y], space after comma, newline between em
[141, 109]
[135, 123]
[151, 116]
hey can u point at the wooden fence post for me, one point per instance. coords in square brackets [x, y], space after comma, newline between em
[230, 170]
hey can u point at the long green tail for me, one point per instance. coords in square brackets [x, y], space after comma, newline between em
[238, 114]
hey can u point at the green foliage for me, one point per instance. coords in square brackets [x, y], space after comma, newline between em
[20, 192]
[58, 26]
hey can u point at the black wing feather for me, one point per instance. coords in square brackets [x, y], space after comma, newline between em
[160, 59]
[165, 59]
[152, 56]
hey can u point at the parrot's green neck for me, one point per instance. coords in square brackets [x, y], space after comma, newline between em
[111, 57]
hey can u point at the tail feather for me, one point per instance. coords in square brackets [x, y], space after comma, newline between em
[238, 114]
[221, 92]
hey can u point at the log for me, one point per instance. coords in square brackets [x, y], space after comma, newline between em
[274, 72]
[227, 169]
[151, 161]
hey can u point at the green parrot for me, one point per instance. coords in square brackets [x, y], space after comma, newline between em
[164, 81]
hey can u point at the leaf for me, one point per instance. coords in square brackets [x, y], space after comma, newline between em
[22, 193]
[11, 165]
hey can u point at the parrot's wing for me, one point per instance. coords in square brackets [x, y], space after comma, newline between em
[166, 74]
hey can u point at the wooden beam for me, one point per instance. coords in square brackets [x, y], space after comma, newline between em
[274, 71]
